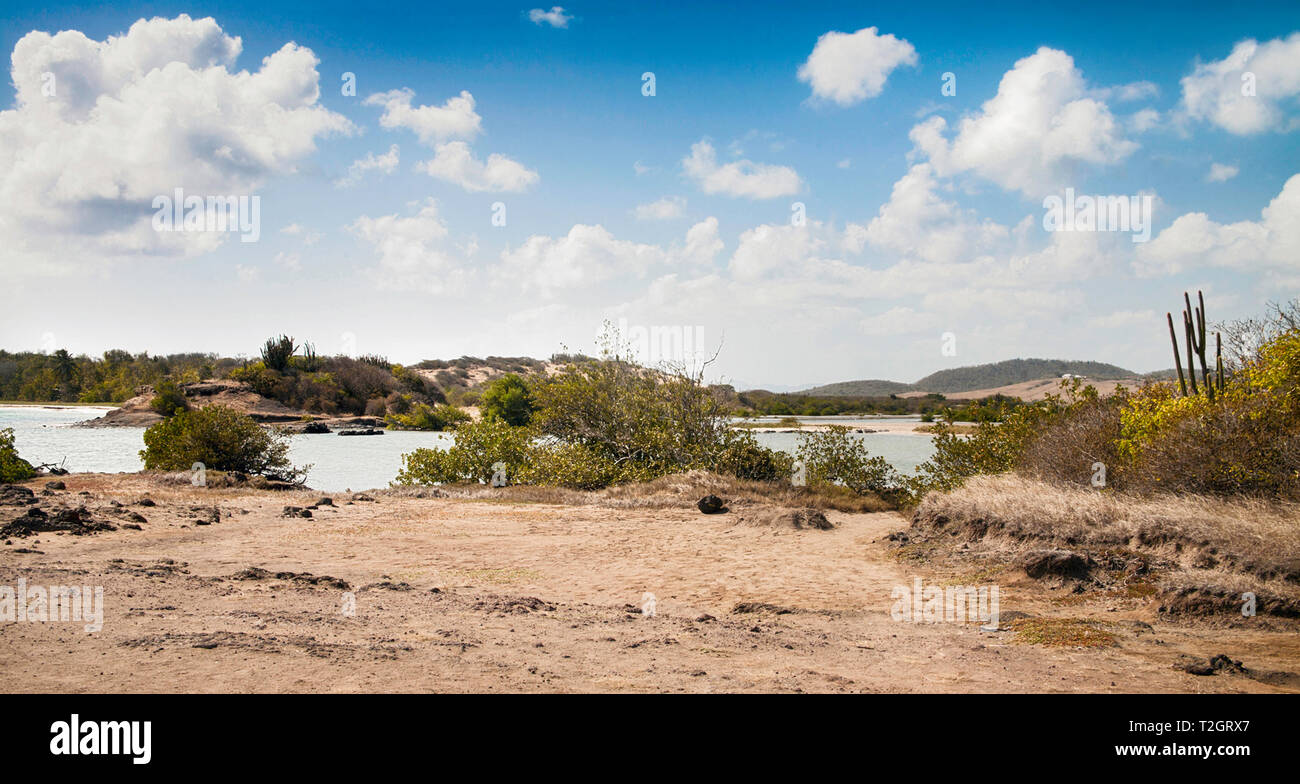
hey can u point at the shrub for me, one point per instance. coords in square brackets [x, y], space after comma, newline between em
[576, 466]
[168, 399]
[276, 352]
[834, 457]
[741, 456]
[508, 398]
[421, 416]
[12, 467]
[221, 439]
[478, 447]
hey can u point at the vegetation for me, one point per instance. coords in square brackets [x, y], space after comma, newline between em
[168, 399]
[507, 398]
[113, 378]
[12, 467]
[222, 439]
[1237, 432]
[421, 416]
[964, 379]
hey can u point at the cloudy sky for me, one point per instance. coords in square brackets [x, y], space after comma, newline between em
[823, 190]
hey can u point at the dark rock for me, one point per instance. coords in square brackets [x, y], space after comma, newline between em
[711, 504]
[1063, 563]
[1215, 665]
[16, 495]
[145, 502]
[56, 485]
[316, 427]
[326, 501]
[369, 431]
[295, 511]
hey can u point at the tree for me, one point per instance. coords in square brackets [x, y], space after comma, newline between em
[168, 399]
[277, 352]
[222, 439]
[507, 398]
[12, 467]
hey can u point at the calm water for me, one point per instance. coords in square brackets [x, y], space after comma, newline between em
[46, 435]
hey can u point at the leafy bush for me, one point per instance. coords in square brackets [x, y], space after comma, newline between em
[478, 447]
[221, 439]
[741, 456]
[277, 352]
[12, 467]
[575, 466]
[508, 398]
[421, 416]
[168, 399]
[834, 457]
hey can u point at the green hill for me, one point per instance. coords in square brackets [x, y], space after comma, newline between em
[873, 387]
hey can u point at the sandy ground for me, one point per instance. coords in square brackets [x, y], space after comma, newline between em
[488, 595]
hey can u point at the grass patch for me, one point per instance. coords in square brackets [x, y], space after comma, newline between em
[1064, 632]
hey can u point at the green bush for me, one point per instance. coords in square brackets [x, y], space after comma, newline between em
[222, 439]
[834, 457]
[508, 398]
[575, 466]
[478, 447]
[12, 467]
[421, 416]
[168, 399]
[741, 456]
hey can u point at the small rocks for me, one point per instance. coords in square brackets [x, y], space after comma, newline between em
[369, 431]
[315, 428]
[1220, 664]
[16, 495]
[56, 485]
[295, 511]
[324, 501]
[711, 504]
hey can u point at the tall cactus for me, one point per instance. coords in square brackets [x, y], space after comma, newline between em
[1194, 330]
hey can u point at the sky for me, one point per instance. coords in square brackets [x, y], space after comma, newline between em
[814, 193]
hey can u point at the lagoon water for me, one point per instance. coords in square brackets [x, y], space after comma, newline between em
[46, 434]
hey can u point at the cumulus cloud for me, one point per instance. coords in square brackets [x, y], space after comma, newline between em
[554, 17]
[136, 116]
[1270, 245]
[455, 119]
[738, 178]
[591, 255]
[1221, 172]
[850, 67]
[454, 162]
[1219, 91]
[664, 209]
[411, 251]
[1031, 135]
[386, 163]
[917, 222]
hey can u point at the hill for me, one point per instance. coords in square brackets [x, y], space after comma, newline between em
[991, 376]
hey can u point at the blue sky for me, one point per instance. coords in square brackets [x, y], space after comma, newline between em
[409, 264]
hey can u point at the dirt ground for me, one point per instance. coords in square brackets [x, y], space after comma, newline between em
[489, 595]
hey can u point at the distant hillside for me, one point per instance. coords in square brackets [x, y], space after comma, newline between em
[1015, 371]
[990, 376]
[873, 387]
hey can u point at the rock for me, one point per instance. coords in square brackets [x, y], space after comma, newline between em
[316, 427]
[362, 497]
[16, 495]
[325, 501]
[146, 501]
[1064, 563]
[56, 485]
[295, 511]
[369, 431]
[711, 504]
[1216, 664]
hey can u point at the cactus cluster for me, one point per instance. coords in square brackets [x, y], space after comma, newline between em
[1194, 329]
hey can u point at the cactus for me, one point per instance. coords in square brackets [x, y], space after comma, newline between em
[1194, 330]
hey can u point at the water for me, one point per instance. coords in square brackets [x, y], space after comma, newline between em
[45, 434]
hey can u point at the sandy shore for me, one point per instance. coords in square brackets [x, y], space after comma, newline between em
[907, 426]
[498, 595]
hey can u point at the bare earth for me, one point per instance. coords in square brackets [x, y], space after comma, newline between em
[534, 597]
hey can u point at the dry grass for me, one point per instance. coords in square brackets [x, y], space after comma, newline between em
[1072, 632]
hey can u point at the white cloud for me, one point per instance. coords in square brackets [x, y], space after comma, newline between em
[589, 256]
[1270, 245]
[386, 163]
[247, 274]
[290, 261]
[454, 162]
[917, 222]
[738, 178]
[664, 209]
[1221, 172]
[850, 67]
[455, 119]
[554, 17]
[411, 253]
[1143, 120]
[135, 116]
[1133, 91]
[1215, 91]
[844, 163]
[308, 236]
[1033, 133]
